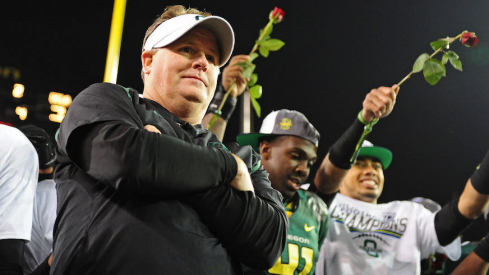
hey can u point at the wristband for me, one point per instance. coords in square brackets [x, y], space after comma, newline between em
[362, 120]
[228, 107]
[482, 249]
[480, 177]
[341, 151]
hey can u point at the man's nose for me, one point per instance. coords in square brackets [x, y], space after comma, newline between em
[201, 62]
[303, 168]
[369, 169]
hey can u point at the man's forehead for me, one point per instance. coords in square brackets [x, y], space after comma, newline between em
[373, 159]
[297, 143]
[200, 34]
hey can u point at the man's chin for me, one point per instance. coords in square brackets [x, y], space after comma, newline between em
[370, 196]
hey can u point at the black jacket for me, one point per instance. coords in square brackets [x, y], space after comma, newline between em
[135, 202]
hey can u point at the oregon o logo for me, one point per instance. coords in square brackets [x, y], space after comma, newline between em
[370, 247]
[286, 124]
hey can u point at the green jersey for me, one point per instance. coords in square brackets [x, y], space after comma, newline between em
[308, 225]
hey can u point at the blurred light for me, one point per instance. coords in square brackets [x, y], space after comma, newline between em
[59, 102]
[59, 99]
[21, 112]
[66, 100]
[18, 91]
[9, 72]
[60, 113]
[6, 123]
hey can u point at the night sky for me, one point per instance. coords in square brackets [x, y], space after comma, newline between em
[335, 52]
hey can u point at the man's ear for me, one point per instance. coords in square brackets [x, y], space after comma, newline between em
[147, 60]
[265, 150]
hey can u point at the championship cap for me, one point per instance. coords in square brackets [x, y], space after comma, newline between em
[384, 155]
[282, 123]
[42, 143]
[176, 27]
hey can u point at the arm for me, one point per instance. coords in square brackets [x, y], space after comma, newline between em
[477, 262]
[472, 203]
[253, 227]
[472, 264]
[455, 217]
[103, 135]
[232, 73]
[18, 180]
[134, 160]
[11, 256]
[379, 103]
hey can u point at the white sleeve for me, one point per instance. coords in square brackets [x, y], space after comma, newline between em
[40, 246]
[19, 170]
[428, 241]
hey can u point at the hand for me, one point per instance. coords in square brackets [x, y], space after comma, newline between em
[379, 102]
[151, 128]
[242, 181]
[234, 73]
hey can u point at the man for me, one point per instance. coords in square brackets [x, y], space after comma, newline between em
[288, 142]
[392, 238]
[368, 238]
[143, 188]
[38, 250]
[18, 179]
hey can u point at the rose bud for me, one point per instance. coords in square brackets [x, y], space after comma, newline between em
[469, 39]
[277, 15]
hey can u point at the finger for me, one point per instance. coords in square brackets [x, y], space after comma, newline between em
[381, 95]
[152, 129]
[234, 74]
[396, 88]
[377, 106]
[239, 59]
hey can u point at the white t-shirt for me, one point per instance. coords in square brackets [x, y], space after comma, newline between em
[40, 246]
[390, 238]
[19, 170]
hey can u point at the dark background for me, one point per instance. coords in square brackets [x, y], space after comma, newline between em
[335, 52]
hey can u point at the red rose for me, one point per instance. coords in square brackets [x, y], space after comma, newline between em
[469, 39]
[277, 14]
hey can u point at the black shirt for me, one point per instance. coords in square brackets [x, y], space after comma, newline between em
[135, 202]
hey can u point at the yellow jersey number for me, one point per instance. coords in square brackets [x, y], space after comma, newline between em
[289, 268]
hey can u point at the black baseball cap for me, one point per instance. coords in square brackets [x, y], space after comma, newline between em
[282, 123]
[42, 143]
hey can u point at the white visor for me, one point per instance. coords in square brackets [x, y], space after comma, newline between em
[174, 28]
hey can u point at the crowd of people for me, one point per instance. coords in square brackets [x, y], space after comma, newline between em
[136, 184]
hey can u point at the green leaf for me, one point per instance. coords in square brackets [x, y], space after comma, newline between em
[419, 63]
[256, 91]
[448, 39]
[253, 56]
[253, 80]
[256, 106]
[457, 64]
[444, 59]
[273, 44]
[439, 44]
[433, 71]
[249, 70]
[263, 51]
[452, 55]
